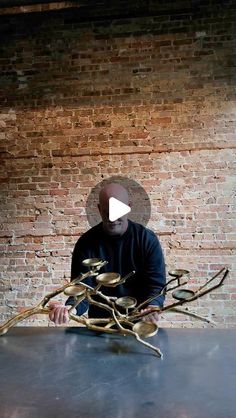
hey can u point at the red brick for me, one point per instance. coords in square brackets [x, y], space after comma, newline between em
[152, 106]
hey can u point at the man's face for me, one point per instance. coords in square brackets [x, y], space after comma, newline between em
[117, 227]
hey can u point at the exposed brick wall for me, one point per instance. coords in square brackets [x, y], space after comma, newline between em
[147, 97]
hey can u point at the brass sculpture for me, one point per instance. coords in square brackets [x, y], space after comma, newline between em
[125, 316]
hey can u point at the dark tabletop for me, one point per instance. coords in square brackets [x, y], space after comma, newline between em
[57, 372]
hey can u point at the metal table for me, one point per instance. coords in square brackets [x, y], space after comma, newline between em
[58, 372]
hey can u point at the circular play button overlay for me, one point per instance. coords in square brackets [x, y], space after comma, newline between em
[117, 209]
[138, 211]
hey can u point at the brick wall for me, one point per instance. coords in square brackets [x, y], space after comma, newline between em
[148, 95]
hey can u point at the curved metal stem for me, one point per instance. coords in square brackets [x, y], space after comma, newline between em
[123, 322]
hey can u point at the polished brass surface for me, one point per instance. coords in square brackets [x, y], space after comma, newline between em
[92, 262]
[126, 302]
[75, 290]
[145, 329]
[108, 279]
[178, 272]
[182, 294]
[180, 275]
[130, 322]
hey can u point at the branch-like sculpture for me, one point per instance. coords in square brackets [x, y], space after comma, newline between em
[125, 317]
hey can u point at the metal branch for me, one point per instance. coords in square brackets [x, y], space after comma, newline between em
[197, 294]
[23, 315]
[123, 330]
[124, 322]
[40, 307]
[163, 291]
[193, 314]
[213, 278]
[126, 331]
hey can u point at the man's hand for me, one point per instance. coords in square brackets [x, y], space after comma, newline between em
[153, 316]
[59, 313]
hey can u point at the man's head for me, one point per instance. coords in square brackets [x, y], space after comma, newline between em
[117, 191]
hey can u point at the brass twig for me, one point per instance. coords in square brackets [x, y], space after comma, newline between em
[117, 322]
[197, 294]
[193, 315]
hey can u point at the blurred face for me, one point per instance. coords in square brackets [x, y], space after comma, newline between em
[117, 227]
[117, 191]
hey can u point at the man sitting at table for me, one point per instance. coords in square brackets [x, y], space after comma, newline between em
[127, 246]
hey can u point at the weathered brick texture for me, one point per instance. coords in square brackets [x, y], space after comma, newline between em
[147, 96]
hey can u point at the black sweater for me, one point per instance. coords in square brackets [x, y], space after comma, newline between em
[137, 249]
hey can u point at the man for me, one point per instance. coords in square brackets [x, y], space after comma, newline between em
[127, 246]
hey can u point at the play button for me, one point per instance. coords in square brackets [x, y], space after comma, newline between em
[117, 209]
[138, 199]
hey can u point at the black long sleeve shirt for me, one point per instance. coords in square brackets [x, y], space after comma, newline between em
[137, 249]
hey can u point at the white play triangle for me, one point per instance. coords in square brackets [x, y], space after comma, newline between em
[117, 209]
